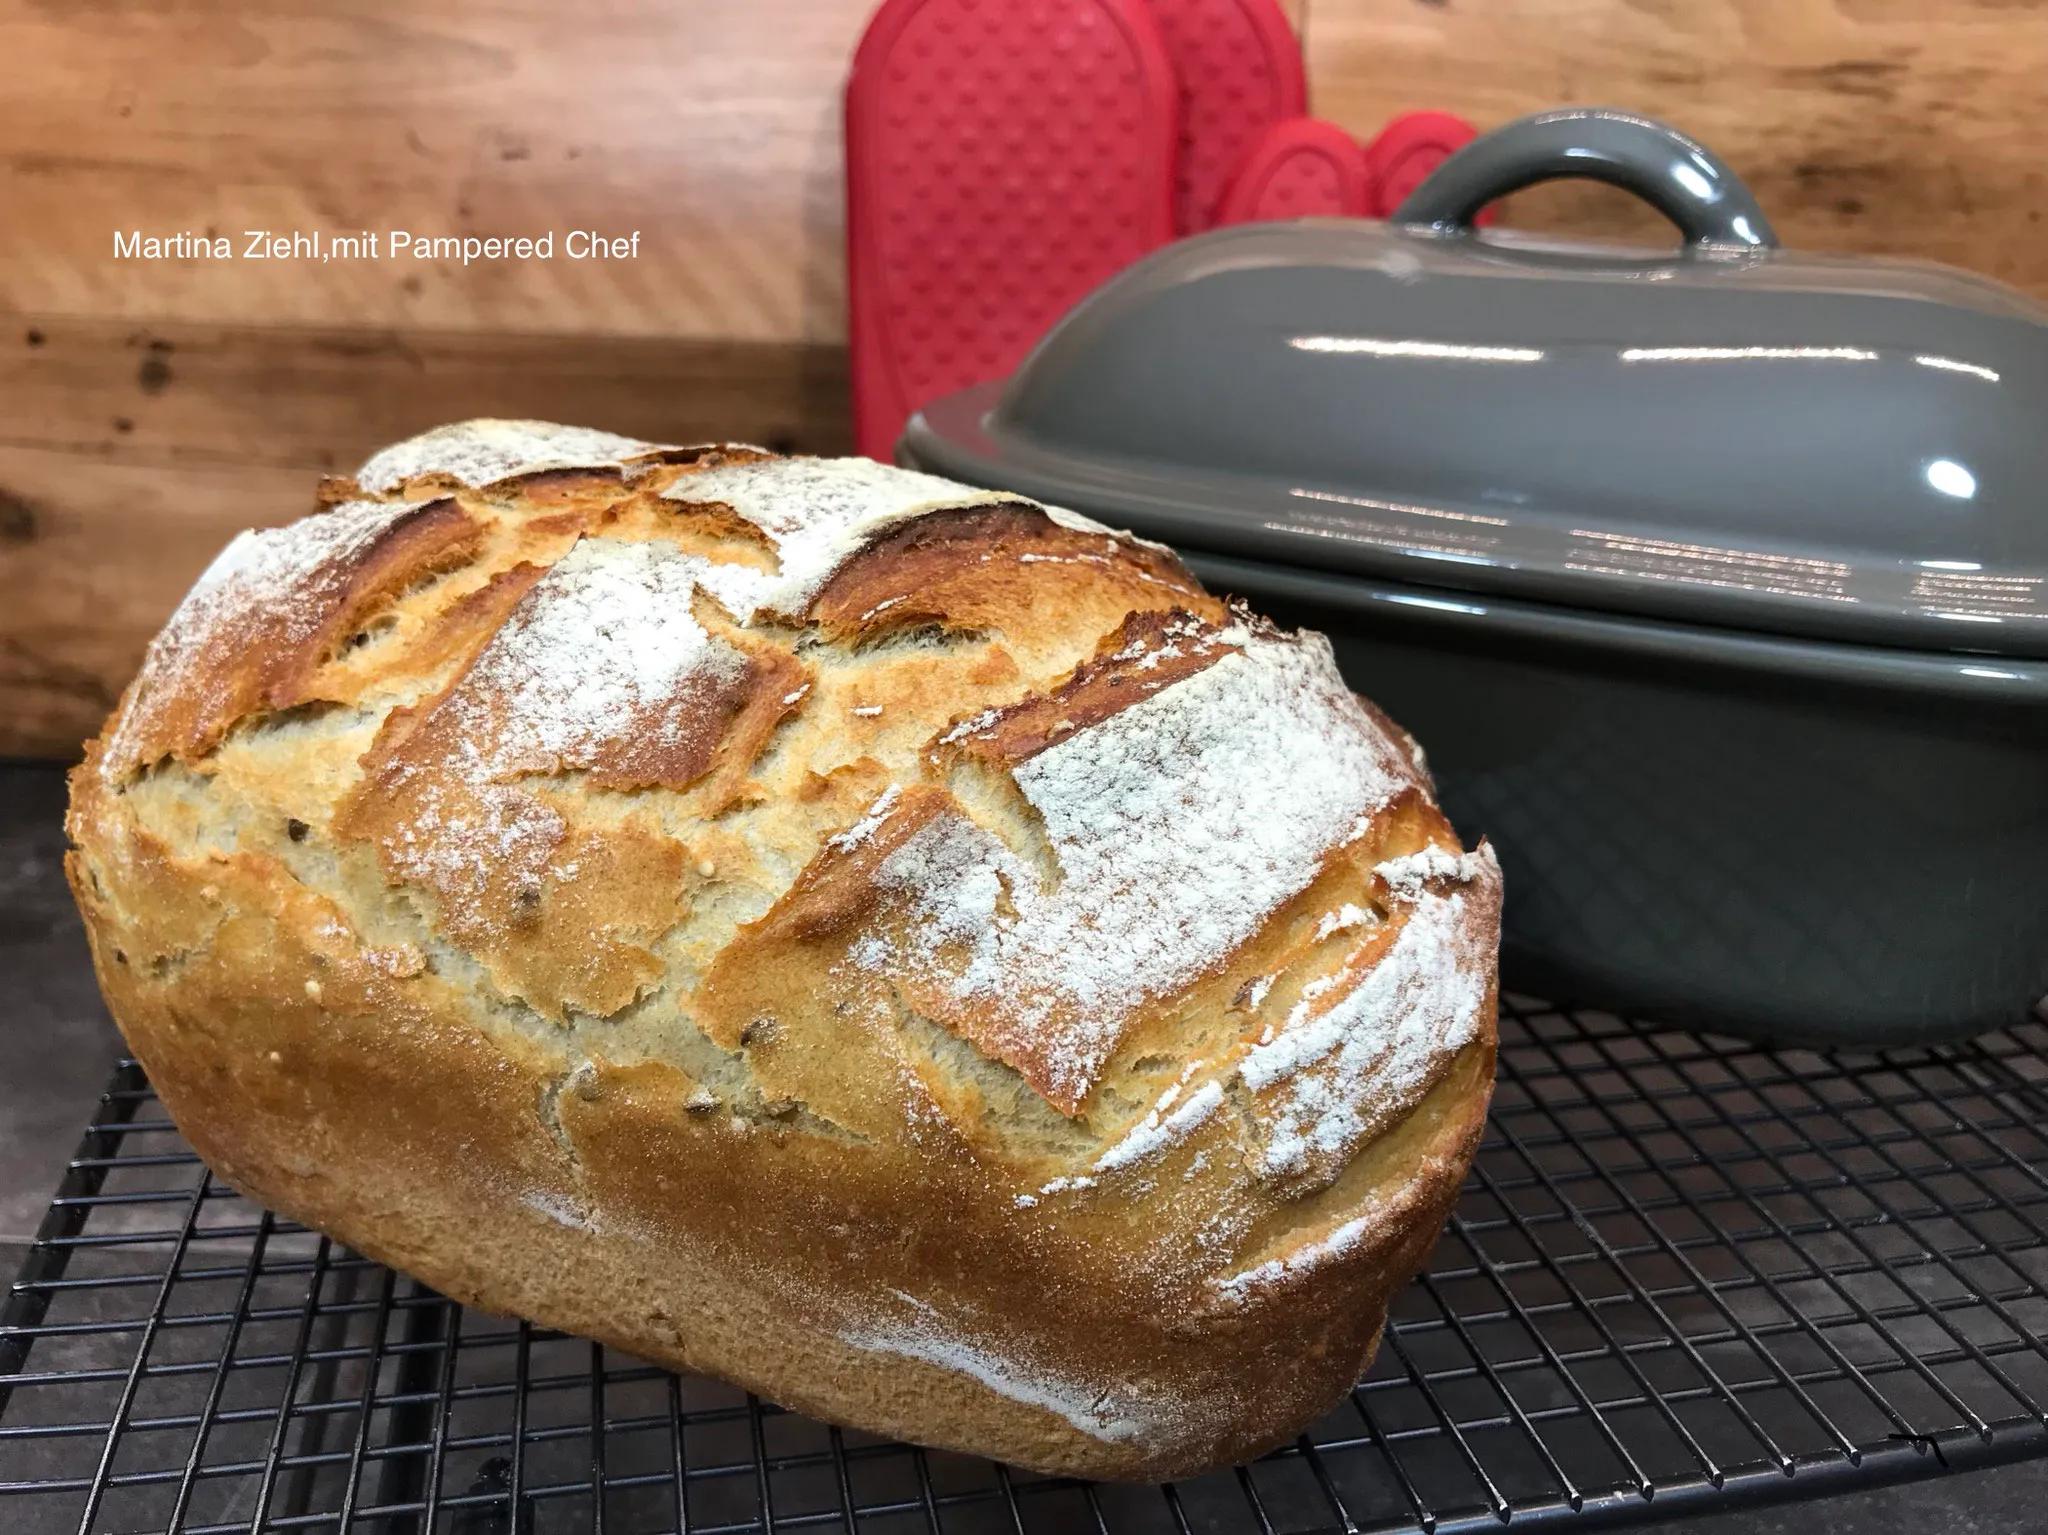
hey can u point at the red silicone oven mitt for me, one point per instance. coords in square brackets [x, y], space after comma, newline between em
[1409, 148]
[1300, 168]
[1003, 157]
[1240, 71]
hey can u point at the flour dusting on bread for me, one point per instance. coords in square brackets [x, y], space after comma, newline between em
[1335, 1074]
[1304, 1260]
[1179, 825]
[285, 577]
[484, 452]
[270, 567]
[605, 645]
[819, 513]
[459, 844]
[1411, 873]
[916, 1331]
[1170, 1122]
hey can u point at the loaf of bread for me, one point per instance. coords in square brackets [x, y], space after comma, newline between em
[908, 951]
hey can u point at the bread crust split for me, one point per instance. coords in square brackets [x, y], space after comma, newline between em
[909, 952]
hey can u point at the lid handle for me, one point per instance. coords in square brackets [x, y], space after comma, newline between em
[1686, 182]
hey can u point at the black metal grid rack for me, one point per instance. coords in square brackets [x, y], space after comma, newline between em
[1685, 1273]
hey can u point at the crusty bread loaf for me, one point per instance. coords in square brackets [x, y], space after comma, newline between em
[903, 949]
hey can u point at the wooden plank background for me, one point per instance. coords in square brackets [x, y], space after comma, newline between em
[1895, 127]
[147, 410]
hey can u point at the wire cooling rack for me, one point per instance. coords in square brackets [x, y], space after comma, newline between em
[1685, 1273]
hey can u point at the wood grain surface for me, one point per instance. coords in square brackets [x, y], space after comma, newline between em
[148, 409]
[710, 126]
[1901, 127]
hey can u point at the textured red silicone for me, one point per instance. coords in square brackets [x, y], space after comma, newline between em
[1301, 168]
[1003, 158]
[1409, 148]
[1240, 70]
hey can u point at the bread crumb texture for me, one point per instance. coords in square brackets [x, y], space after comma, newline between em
[907, 950]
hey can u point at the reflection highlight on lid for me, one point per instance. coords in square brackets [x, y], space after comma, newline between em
[1748, 354]
[1413, 509]
[1956, 365]
[1949, 591]
[1607, 553]
[1430, 544]
[1441, 604]
[1951, 479]
[1443, 351]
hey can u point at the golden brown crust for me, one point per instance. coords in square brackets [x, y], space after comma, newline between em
[973, 569]
[797, 1050]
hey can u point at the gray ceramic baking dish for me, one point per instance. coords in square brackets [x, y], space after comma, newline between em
[1711, 577]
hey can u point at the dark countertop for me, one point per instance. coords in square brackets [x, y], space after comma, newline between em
[60, 1046]
[58, 1041]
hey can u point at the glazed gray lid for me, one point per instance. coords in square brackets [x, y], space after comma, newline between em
[1725, 433]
